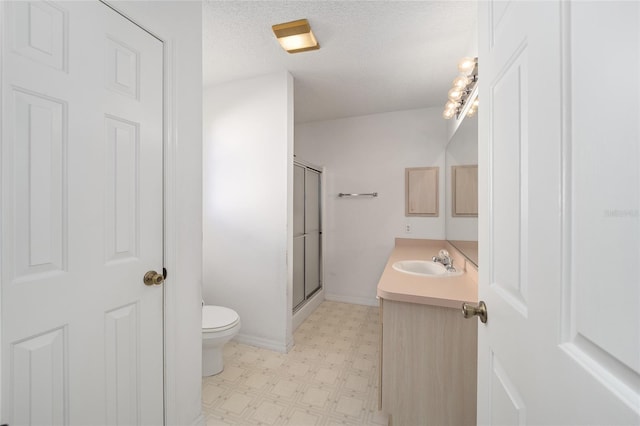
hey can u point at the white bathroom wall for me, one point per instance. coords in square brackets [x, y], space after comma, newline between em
[179, 25]
[370, 154]
[248, 176]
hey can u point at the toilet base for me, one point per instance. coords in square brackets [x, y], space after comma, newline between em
[212, 362]
[215, 334]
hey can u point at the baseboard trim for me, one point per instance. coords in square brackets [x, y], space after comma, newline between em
[261, 342]
[351, 299]
[199, 421]
[304, 312]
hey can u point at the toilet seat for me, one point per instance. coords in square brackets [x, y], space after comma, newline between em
[218, 318]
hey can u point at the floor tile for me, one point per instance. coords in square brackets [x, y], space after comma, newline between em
[357, 383]
[316, 397]
[285, 388]
[328, 378]
[350, 406]
[236, 403]
[257, 381]
[267, 413]
[302, 418]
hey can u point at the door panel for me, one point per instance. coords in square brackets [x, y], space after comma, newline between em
[507, 406]
[81, 216]
[298, 270]
[605, 179]
[560, 193]
[122, 67]
[307, 234]
[298, 200]
[122, 196]
[121, 365]
[508, 181]
[40, 168]
[312, 263]
[312, 231]
[40, 379]
[40, 31]
[298, 234]
[312, 201]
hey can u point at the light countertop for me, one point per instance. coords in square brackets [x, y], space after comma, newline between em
[449, 292]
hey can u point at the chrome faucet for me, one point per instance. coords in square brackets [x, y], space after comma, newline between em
[446, 260]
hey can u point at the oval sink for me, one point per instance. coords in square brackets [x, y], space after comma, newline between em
[426, 268]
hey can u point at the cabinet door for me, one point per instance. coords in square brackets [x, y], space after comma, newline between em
[427, 378]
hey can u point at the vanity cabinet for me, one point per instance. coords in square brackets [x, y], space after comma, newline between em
[428, 365]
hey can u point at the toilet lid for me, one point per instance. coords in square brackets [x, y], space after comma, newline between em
[216, 317]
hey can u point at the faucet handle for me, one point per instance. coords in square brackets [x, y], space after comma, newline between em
[443, 253]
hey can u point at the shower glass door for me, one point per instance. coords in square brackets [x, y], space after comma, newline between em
[307, 234]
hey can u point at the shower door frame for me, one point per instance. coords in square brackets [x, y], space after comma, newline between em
[320, 171]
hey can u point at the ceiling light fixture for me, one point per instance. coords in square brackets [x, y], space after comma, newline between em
[463, 93]
[296, 36]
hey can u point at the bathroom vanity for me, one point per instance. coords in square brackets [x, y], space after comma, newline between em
[428, 350]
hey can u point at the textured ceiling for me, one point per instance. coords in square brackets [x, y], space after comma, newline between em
[375, 56]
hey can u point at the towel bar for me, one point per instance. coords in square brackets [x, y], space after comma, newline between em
[370, 194]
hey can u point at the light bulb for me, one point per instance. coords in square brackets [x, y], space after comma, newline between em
[451, 105]
[475, 103]
[472, 111]
[455, 94]
[461, 82]
[448, 113]
[466, 65]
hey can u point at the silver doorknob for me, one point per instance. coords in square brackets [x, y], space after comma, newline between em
[153, 278]
[469, 310]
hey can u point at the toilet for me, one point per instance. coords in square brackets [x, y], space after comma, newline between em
[219, 325]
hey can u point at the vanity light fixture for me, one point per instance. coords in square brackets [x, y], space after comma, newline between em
[467, 64]
[462, 88]
[473, 108]
[296, 36]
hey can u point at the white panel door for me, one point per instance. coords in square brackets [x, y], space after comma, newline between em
[81, 216]
[559, 157]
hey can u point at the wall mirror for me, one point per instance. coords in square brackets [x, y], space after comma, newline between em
[461, 222]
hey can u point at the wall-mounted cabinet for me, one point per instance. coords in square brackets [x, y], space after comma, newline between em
[464, 190]
[307, 233]
[421, 191]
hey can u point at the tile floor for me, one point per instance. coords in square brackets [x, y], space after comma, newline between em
[330, 377]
